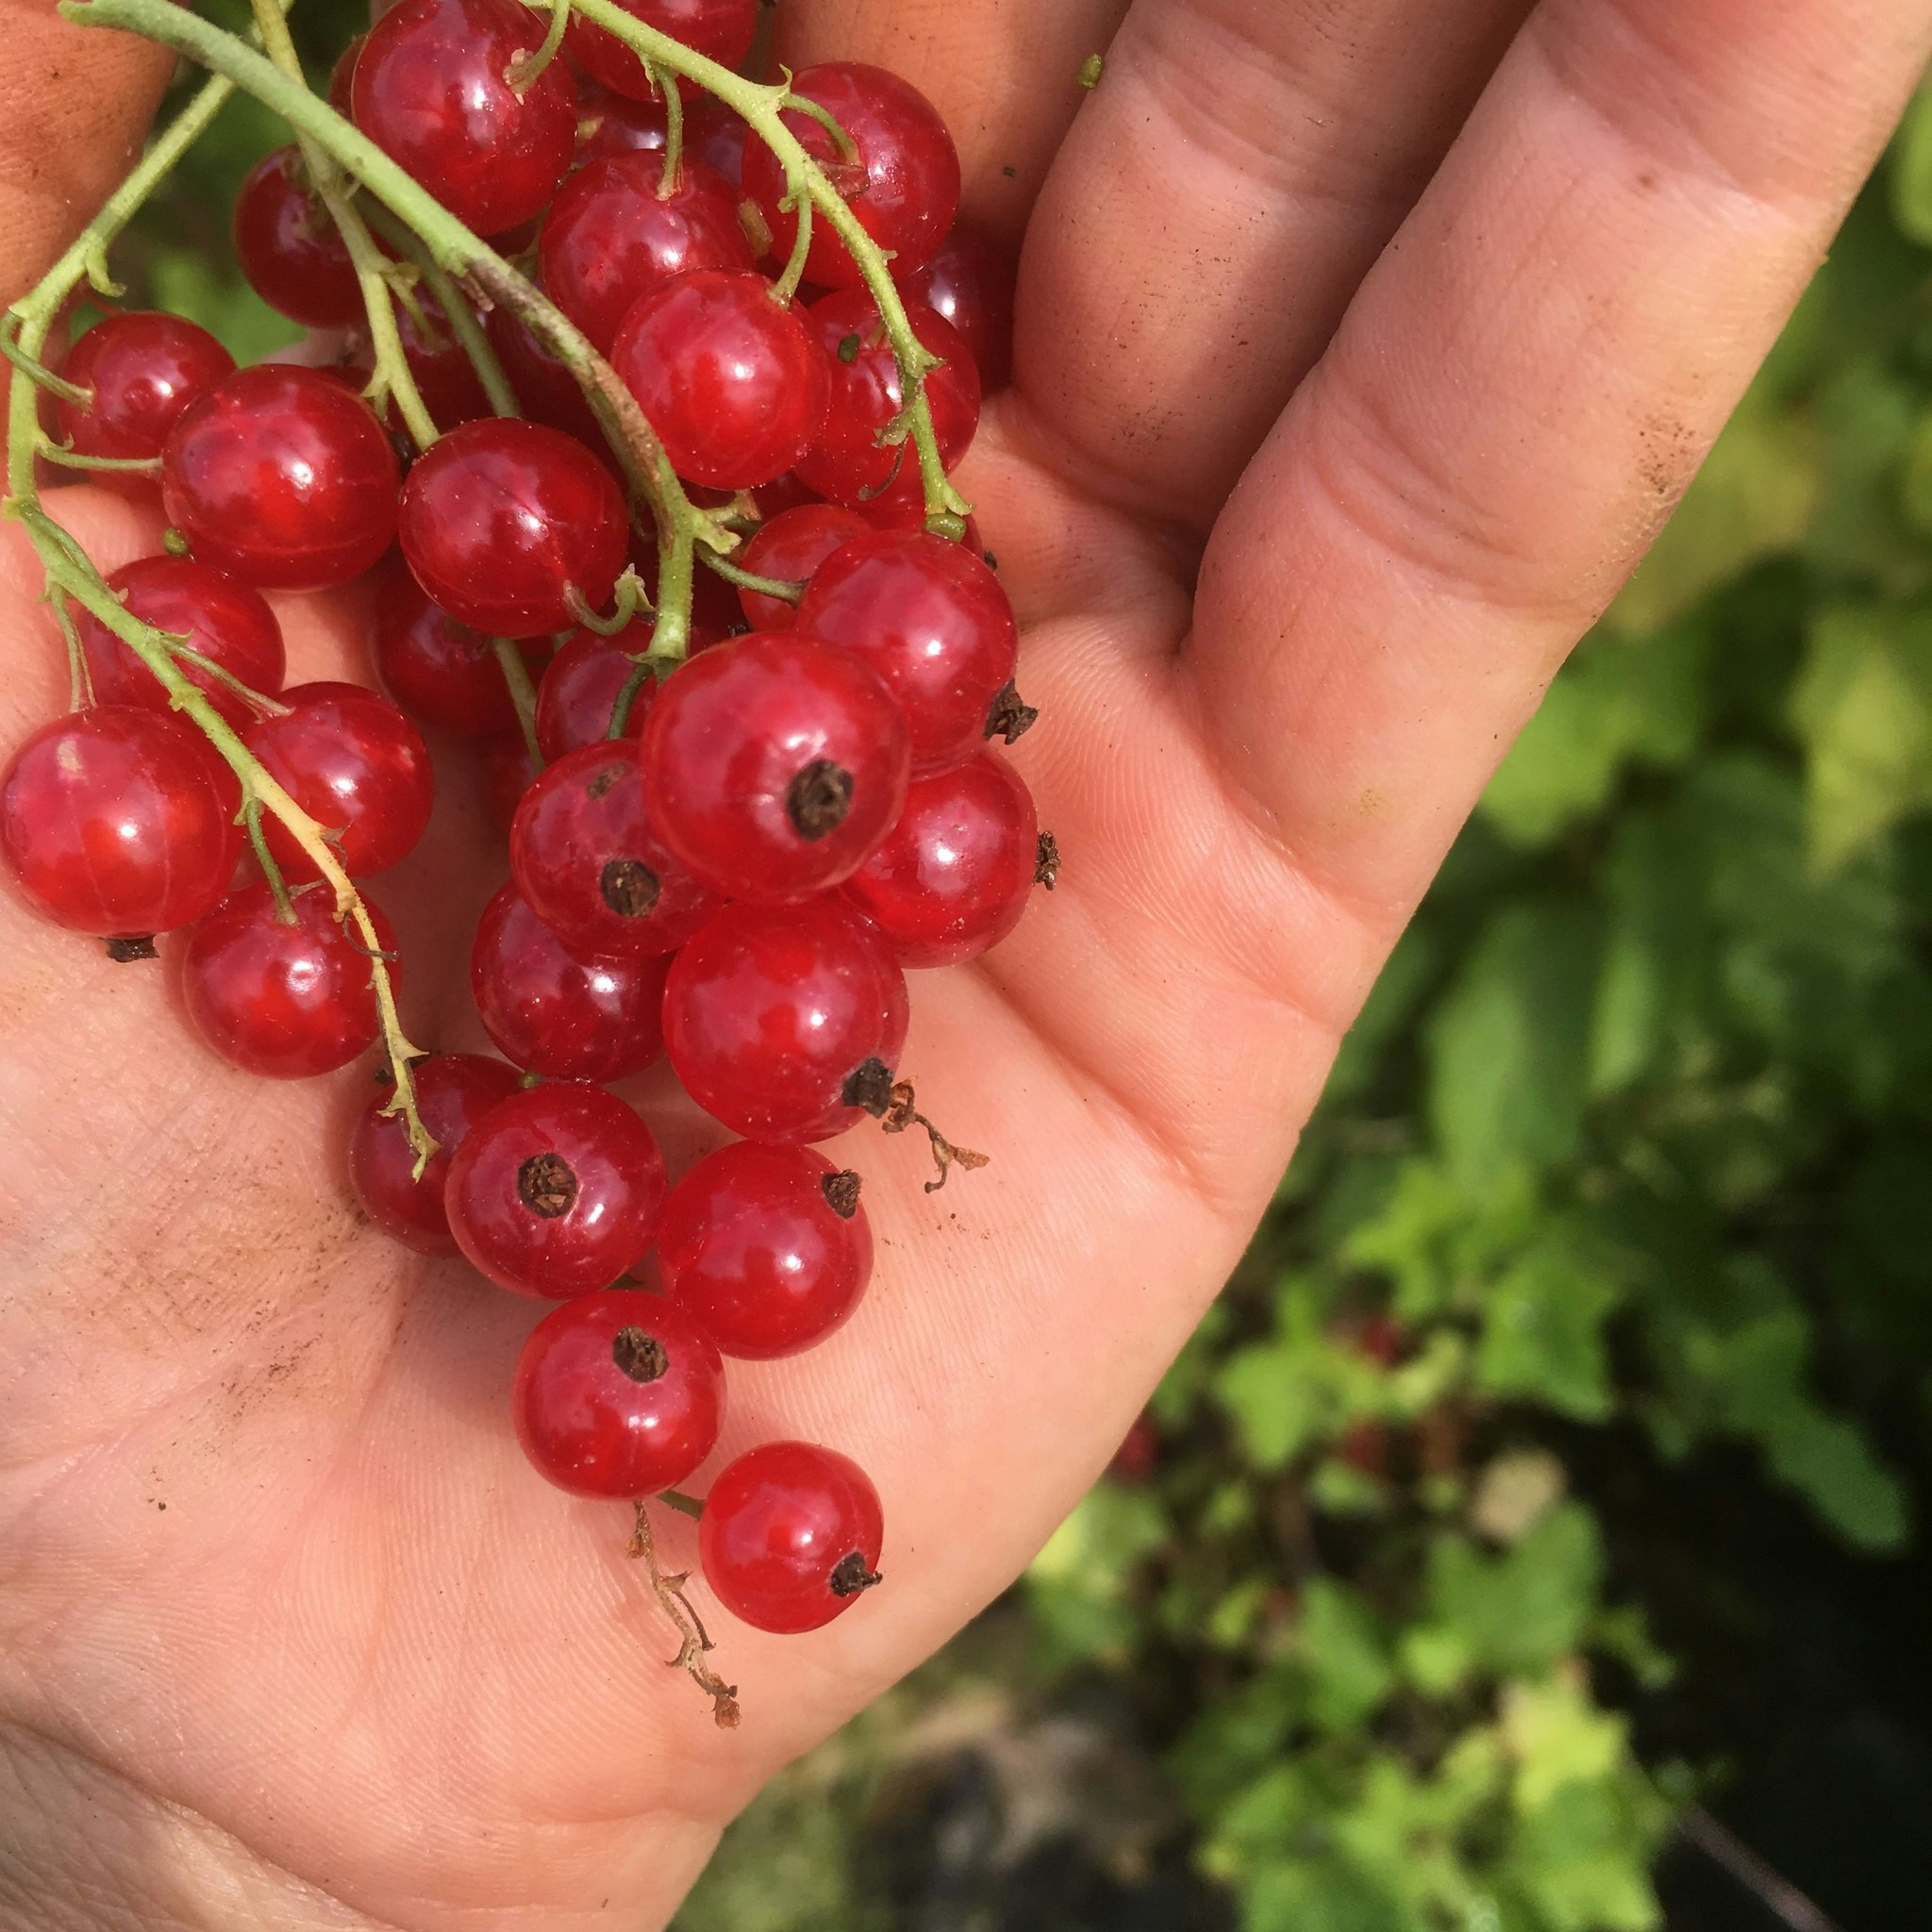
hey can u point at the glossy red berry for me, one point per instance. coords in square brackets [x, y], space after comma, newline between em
[767, 1246]
[720, 29]
[591, 868]
[612, 123]
[903, 187]
[141, 368]
[290, 249]
[618, 1394]
[785, 1022]
[932, 621]
[432, 90]
[444, 672]
[559, 1011]
[716, 136]
[509, 771]
[577, 697]
[953, 875]
[791, 1536]
[726, 374]
[774, 764]
[970, 282]
[446, 377]
[555, 1190]
[287, 1001]
[845, 462]
[226, 621]
[546, 390]
[356, 765]
[500, 520]
[789, 547]
[341, 78]
[119, 822]
[613, 235]
[283, 476]
[454, 1091]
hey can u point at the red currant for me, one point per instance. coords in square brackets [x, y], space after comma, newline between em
[341, 78]
[726, 374]
[716, 136]
[432, 89]
[509, 771]
[952, 879]
[446, 379]
[609, 123]
[613, 235]
[903, 187]
[557, 1012]
[618, 1394]
[454, 1091]
[589, 865]
[767, 1246]
[789, 547]
[846, 461]
[143, 368]
[970, 282]
[228, 622]
[720, 29]
[578, 698]
[774, 764]
[500, 520]
[791, 1536]
[443, 671]
[289, 248]
[932, 621]
[119, 822]
[356, 765]
[287, 1001]
[546, 388]
[283, 476]
[555, 1190]
[785, 1022]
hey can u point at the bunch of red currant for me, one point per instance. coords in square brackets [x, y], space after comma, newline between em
[727, 853]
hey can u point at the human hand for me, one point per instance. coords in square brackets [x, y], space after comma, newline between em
[364, 1666]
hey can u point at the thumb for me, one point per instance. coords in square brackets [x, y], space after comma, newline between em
[74, 104]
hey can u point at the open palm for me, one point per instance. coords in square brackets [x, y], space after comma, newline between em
[1361, 350]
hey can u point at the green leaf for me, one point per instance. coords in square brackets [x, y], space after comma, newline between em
[1508, 1044]
[1863, 707]
[1276, 1402]
[1542, 1328]
[1078, 1585]
[1512, 1614]
[1910, 170]
[1620, 699]
[1346, 1653]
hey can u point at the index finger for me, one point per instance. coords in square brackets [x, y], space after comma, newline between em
[74, 104]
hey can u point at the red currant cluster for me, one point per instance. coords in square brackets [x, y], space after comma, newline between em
[732, 867]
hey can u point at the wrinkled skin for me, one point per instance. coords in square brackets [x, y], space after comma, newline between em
[1362, 348]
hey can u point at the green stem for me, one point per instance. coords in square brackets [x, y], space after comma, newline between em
[787, 285]
[788, 590]
[640, 456]
[627, 696]
[526, 68]
[81, 684]
[763, 107]
[391, 375]
[44, 377]
[72, 459]
[685, 1506]
[673, 138]
[66, 566]
[523, 694]
[456, 309]
[277, 884]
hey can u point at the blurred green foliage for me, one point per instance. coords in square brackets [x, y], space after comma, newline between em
[1634, 1133]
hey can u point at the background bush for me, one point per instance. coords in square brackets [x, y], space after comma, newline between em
[1553, 1469]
